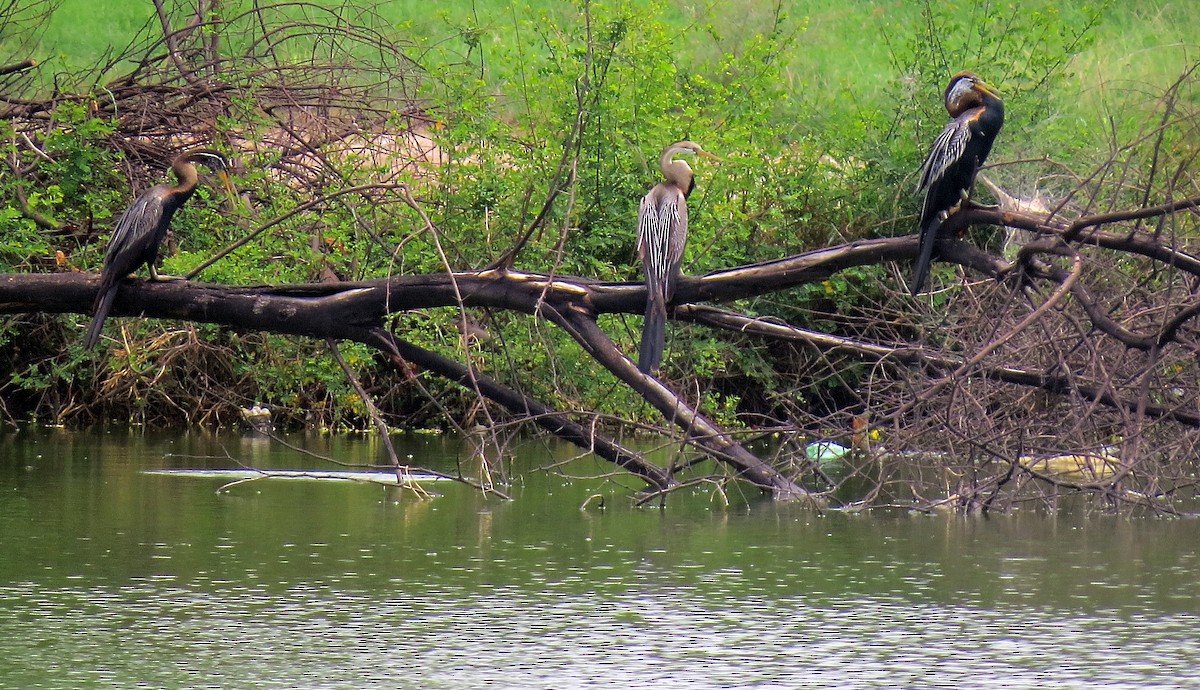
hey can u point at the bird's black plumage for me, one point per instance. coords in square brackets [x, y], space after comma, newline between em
[948, 174]
[142, 228]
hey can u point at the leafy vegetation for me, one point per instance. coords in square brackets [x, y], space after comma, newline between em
[821, 127]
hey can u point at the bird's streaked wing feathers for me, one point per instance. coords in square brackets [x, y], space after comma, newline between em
[661, 213]
[947, 150]
[138, 221]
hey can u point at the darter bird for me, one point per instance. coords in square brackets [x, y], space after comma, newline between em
[959, 151]
[662, 234]
[142, 227]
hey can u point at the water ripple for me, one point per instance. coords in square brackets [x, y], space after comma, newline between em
[320, 634]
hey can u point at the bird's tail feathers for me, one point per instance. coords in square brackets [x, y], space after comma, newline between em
[654, 336]
[104, 304]
[929, 231]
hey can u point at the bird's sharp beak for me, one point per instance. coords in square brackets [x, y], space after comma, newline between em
[708, 155]
[233, 197]
[987, 89]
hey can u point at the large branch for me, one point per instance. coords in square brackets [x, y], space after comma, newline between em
[699, 429]
[323, 310]
[319, 309]
[1087, 230]
[17, 67]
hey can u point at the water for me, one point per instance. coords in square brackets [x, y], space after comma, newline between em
[111, 577]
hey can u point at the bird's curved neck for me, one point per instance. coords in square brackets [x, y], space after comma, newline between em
[188, 177]
[677, 173]
[992, 103]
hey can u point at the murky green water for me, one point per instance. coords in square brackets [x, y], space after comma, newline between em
[110, 577]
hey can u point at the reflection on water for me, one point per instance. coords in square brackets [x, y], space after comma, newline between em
[111, 577]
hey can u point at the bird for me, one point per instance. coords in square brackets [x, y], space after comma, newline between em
[141, 229]
[949, 171]
[661, 236]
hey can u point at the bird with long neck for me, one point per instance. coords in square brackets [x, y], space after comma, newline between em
[948, 174]
[662, 237]
[141, 229]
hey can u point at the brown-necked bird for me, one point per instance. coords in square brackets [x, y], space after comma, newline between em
[959, 151]
[662, 235]
[142, 227]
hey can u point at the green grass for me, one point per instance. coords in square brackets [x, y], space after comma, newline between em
[842, 60]
[79, 35]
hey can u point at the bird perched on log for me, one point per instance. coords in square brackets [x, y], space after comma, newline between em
[141, 229]
[662, 235]
[954, 160]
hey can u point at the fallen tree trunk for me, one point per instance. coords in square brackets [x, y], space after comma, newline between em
[359, 311]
